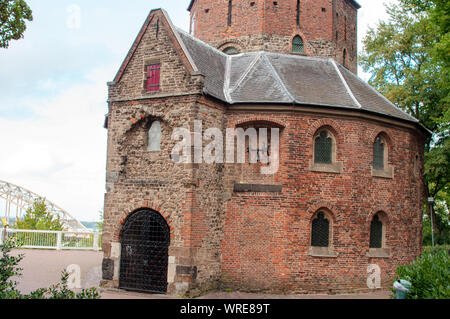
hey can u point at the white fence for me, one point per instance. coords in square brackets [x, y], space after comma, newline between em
[59, 240]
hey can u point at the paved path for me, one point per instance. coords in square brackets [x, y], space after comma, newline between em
[43, 268]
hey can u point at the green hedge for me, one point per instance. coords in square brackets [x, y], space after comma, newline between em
[429, 275]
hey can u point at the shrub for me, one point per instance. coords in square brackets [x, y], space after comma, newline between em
[429, 275]
[9, 269]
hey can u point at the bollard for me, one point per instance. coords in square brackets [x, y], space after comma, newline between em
[402, 287]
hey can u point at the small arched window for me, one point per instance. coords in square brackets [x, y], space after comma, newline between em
[298, 45]
[379, 153]
[376, 232]
[231, 51]
[323, 148]
[154, 137]
[320, 231]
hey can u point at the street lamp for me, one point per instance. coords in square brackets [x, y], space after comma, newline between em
[431, 202]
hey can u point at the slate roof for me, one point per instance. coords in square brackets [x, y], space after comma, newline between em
[276, 78]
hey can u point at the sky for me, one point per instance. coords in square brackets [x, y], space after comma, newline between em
[53, 93]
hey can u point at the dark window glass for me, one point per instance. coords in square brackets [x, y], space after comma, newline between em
[230, 51]
[376, 233]
[230, 10]
[323, 149]
[320, 232]
[378, 154]
[298, 45]
[298, 12]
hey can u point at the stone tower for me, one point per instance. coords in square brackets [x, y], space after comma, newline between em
[326, 28]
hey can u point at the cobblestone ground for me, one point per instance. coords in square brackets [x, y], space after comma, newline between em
[43, 268]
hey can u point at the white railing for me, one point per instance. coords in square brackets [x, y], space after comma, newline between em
[59, 240]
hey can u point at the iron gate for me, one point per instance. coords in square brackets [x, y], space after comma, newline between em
[145, 252]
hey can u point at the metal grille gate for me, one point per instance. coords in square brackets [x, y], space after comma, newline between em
[145, 253]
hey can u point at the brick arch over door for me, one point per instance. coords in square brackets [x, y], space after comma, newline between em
[136, 207]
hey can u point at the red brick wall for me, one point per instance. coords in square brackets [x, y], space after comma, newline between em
[270, 27]
[267, 235]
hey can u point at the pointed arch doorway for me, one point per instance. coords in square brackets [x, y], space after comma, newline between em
[145, 252]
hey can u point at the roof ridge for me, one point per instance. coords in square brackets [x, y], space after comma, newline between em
[245, 73]
[383, 97]
[180, 41]
[278, 78]
[349, 91]
[227, 79]
[200, 41]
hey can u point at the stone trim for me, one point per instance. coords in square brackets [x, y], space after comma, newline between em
[386, 173]
[336, 168]
[322, 252]
[379, 253]
[257, 188]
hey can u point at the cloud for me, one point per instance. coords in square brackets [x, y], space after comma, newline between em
[60, 153]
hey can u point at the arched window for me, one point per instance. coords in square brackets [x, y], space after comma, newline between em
[230, 51]
[323, 148]
[379, 155]
[320, 231]
[154, 137]
[298, 45]
[376, 232]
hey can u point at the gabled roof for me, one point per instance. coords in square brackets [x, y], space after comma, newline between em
[276, 78]
[158, 13]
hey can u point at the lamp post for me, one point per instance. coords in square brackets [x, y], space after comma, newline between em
[431, 202]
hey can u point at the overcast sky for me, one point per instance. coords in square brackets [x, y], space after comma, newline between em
[53, 93]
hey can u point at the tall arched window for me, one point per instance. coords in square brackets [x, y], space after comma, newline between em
[230, 11]
[320, 231]
[298, 45]
[379, 153]
[154, 137]
[323, 148]
[376, 232]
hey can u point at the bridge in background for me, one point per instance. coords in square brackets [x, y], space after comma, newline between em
[18, 199]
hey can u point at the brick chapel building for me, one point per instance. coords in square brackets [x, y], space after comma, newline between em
[346, 199]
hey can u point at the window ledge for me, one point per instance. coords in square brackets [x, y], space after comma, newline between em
[322, 252]
[379, 253]
[327, 168]
[386, 173]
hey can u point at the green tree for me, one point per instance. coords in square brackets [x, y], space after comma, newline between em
[37, 217]
[13, 14]
[405, 60]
